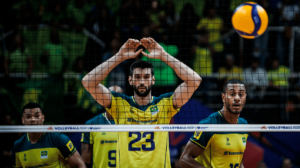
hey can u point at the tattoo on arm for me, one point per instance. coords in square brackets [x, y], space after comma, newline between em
[89, 148]
[85, 147]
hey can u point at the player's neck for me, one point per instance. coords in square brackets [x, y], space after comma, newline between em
[34, 137]
[229, 117]
[143, 101]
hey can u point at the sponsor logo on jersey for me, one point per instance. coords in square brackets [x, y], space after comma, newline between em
[25, 159]
[44, 154]
[244, 140]
[103, 133]
[70, 145]
[134, 120]
[227, 141]
[233, 153]
[154, 110]
[106, 141]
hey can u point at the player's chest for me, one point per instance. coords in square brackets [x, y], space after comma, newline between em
[105, 138]
[148, 115]
[229, 142]
[39, 157]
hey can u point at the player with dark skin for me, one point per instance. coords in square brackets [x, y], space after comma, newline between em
[87, 149]
[35, 116]
[234, 98]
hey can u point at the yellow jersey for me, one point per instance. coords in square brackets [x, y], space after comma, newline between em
[142, 149]
[51, 150]
[221, 149]
[104, 144]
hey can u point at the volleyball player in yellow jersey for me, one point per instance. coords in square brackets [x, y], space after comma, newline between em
[142, 149]
[98, 149]
[220, 149]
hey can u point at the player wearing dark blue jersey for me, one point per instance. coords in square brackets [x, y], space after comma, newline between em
[43, 149]
[220, 149]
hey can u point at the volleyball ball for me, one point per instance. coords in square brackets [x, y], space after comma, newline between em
[250, 20]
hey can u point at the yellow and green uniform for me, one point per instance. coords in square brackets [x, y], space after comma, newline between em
[221, 149]
[18, 60]
[51, 150]
[104, 144]
[203, 63]
[142, 149]
[279, 77]
[214, 27]
[234, 73]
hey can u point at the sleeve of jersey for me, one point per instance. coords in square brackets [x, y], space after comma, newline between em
[202, 139]
[113, 107]
[86, 138]
[172, 110]
[15, 158]
[66, 146]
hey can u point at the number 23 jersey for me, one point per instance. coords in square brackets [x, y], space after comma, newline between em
[142, 149]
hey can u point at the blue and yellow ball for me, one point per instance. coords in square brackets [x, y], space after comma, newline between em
[250, 20]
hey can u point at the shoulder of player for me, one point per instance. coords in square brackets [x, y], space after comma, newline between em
[54, 136]
[121, 95]
[211, 119]
[242, 121]
[99, 119]
[20, 141]
[162, 96]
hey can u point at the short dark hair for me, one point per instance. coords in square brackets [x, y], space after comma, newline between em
[31, 105]
[232, 81]
[141, 64]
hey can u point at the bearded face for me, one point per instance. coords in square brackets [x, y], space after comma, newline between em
[142, 81]
[142, 91]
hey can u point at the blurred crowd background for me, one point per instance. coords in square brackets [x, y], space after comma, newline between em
[46, 47]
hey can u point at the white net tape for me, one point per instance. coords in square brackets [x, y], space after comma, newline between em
[154, 128]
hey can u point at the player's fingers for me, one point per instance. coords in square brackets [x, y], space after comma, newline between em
[138, 52]
[145, 42]
[151, 39]
[145, 54]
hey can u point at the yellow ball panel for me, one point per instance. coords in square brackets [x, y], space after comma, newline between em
[264, 20]
[242, 19]
[250, 2]
[247, 37]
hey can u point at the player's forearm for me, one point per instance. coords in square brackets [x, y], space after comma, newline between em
[99, 73]
[183, 71]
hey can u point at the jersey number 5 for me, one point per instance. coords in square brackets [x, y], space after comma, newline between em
[138, 138]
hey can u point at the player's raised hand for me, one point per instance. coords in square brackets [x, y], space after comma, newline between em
[156, 50]
[127, 51]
